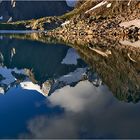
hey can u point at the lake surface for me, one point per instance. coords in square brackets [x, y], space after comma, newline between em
[52, 90]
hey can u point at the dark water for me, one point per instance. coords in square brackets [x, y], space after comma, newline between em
[50, 90]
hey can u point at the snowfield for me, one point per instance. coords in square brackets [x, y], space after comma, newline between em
[75, 76]
[133, 44]
[127, 24]
[65, 23]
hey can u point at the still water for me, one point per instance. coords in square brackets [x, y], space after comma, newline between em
[51, 90]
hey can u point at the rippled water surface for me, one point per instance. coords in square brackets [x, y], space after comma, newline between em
[52, 90]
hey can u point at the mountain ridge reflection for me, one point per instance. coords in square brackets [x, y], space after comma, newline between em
[118, 65]
[89, 99]
[45, 65]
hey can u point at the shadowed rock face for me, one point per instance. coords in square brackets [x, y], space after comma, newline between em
[37, 58]
[23, 10]
[37, 63]
[117, 63]
[118, 66]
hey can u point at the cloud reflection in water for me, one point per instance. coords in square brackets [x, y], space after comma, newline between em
[89, 112]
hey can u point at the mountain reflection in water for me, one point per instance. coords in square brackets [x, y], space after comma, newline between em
[84, 84]
[41, 63]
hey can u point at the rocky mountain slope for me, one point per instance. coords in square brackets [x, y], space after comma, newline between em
[104, 18]
[98, 17]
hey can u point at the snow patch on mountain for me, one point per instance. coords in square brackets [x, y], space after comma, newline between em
[7, 74]
[65, 23]
[97, 6]
[71, 3]
[127, 24]
[128, 43]
[71, 57]
[108, 5]
[75, 76]
[30, 86]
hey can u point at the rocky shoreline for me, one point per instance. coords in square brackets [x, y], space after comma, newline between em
[89, 19]
[98, 27]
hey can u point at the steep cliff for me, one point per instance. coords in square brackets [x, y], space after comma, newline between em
[106, 8]
[102, 18]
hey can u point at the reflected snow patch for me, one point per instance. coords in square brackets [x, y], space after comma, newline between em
[71, 57]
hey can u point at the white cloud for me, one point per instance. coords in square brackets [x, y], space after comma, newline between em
[75, 99]
[90, 111]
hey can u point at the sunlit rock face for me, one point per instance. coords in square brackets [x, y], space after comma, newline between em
[21, 10]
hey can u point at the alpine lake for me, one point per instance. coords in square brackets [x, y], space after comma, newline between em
[55, 89]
